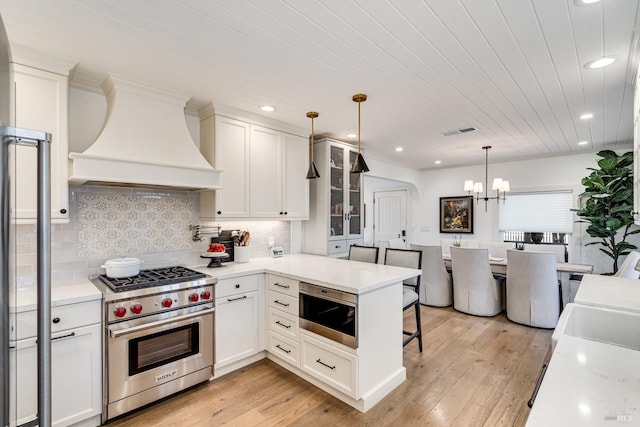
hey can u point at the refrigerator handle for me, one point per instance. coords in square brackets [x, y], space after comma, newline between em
[42, 142]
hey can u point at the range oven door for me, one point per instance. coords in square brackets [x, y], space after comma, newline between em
[330, 313]
[158, 351]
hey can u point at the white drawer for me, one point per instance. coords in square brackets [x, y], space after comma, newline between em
[335, 246]
[63, 317]
[284, 348]
[329, 364]
[283, 302]
[284, 285]
[284, 323]
[237, 285]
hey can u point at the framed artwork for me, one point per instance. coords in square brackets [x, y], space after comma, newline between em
[456, 214]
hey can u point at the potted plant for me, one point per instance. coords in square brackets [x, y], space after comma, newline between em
[609, 205]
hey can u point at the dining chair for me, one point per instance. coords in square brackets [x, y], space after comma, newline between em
[475, 290]
[363, 253]
[628, 267]
[436, 289]
[496, 249]
[559, 250]
[397, 243]
[533, 291]
[411, 287]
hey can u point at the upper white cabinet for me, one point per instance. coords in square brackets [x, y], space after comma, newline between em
[336, 201]
[263, 172]
[231, 156]
[39, 101]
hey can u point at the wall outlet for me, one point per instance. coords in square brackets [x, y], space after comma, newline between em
[272, 241]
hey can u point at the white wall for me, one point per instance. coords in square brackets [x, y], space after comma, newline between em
[565, 172]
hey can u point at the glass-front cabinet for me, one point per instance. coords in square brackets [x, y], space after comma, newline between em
[344, 208]
[336, 201]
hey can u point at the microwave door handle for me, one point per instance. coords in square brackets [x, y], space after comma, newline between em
[116, 332]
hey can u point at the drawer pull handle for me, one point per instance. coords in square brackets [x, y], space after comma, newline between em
[282, 286]
[236, 299]
[283, 349]
[285, 304]
[537, 387]
[72, 334]
[282, 324]
[324, 364]
[56, 320]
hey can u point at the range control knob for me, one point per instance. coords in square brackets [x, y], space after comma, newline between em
[167, 302]
[119, 311]
[205, 295]
[194, 297]
[136, 308]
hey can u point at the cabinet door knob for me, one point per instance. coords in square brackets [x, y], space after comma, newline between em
[237, 285]
[219, 212]
[56, 320]
[280, 212]
[63, 211]
[285, 212]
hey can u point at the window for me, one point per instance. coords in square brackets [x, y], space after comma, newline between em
[539, 212]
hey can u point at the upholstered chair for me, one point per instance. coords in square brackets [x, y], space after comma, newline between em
[411, 287]
[363, 253]
[628, 267]
[496, 249]
[475, 290]
[559, 250]
[436, 287]
[533, 291]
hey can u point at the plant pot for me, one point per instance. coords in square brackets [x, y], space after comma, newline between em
[118, 268]
[537, 237]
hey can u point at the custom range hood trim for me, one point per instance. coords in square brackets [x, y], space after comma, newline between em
[144, 142]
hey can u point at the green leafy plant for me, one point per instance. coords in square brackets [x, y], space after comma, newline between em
[608, 208]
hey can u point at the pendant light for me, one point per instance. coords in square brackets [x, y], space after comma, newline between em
[499, 185]
[359, 166]
[313, 170]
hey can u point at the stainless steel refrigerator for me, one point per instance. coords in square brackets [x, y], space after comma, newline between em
[40, 141]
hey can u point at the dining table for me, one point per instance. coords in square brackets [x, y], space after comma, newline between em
[564, 269]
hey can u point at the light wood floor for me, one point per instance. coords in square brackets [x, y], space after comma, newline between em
[474, 371]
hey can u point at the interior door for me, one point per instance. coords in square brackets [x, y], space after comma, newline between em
[390, 216]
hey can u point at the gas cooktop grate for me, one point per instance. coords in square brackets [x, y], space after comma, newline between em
[154, 277]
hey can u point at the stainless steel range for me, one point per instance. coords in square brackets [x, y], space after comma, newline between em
[159, 336]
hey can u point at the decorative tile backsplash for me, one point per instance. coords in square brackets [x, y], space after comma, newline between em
[111, 224]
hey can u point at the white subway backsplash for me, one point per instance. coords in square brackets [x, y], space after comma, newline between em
[111, 222]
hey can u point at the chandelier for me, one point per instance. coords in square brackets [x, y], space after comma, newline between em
[500, 186]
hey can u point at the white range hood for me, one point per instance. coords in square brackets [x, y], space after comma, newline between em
[144, 142]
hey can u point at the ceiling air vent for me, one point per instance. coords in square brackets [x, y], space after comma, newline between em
[459, 131]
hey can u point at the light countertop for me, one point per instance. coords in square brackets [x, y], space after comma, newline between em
[607, 291]
[589, 383]
[61, 294]
[349, 276]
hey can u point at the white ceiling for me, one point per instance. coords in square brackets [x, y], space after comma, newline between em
[511, 68]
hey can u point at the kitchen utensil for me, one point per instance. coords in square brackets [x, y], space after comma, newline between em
[118, 268]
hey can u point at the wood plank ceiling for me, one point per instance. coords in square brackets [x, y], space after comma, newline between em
[514, 69]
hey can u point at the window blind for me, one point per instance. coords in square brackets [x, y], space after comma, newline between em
[537, 212]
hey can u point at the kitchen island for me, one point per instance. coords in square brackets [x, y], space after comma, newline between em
[359, 376]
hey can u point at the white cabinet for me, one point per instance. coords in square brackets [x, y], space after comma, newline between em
[329, 364]
[39, 101]
[238, 313]
[231, 156]
[264, 172]
[284, 337]
[76, 365]
[336, 221]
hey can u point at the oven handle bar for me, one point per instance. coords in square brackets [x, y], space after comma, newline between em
[115, 333]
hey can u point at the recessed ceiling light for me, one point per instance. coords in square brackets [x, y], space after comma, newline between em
[586, 116]
[583, 142]
[601, 62]
[585, 2]
[352, 135]
[437, 162]
[267, 108]
[399, 148]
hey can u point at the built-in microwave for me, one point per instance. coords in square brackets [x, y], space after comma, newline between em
[330, 313]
